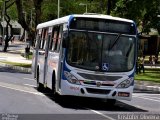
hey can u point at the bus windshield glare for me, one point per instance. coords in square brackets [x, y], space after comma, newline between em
[101, 52]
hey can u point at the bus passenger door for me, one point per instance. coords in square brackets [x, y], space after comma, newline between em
[41, 54]
[35, 53]
[46, 56]
[60, 61]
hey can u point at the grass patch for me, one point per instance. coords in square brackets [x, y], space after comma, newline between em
[30, 55]
[151, 74]
[17, 64]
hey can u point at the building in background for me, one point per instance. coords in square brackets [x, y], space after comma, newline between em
[149, 45]
[17, 29]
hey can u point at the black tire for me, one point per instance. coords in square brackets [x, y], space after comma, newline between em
[53, 83]
[40, 86]
[57, 97]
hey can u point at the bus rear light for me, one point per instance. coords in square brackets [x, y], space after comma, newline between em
[71, 78]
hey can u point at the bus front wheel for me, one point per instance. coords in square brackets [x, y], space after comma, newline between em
[57, 97]
[53, 83]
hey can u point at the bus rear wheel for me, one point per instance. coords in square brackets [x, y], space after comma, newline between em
[39, 85]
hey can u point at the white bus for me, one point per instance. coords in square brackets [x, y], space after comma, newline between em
[86, 55]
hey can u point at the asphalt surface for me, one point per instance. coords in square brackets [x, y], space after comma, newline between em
[19, 96]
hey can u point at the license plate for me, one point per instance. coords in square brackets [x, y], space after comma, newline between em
[123, 94]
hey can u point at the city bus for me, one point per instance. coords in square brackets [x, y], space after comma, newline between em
[86, 55]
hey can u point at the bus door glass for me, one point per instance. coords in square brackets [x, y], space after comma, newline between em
[50, 60]
[47, 42]
[55, 48]
[53, 58]
[60, 50]
[41, 54]
[35, 52]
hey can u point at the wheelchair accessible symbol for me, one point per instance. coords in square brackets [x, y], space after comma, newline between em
[105, 66]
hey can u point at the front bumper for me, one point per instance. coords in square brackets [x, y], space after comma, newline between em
[96, 92]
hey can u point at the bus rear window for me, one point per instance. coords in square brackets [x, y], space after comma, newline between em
[103, 25]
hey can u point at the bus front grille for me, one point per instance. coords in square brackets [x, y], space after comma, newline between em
[97, 91]
[94, 83]
[99, 77]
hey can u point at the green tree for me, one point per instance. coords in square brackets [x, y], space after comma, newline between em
[24, 9]
[6, 5]
[143, 12]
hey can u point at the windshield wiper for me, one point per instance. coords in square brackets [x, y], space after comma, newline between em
[115, 41]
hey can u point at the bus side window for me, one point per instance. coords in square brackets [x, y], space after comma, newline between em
[36, 45]
[45, 39]
[56, 38]
[51, 43]
[40, 40]
[59, 38]
[55, 34]
[51, 39]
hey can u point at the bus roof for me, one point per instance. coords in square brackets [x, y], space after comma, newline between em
[67, 18]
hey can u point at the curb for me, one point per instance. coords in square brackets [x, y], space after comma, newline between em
[21, 69]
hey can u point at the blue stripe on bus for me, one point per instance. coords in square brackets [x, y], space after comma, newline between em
[132, 75]
[70, 19]
[132, 84]
[65, 68]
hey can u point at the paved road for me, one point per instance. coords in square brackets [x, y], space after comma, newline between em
[18, 96]
[14, 46]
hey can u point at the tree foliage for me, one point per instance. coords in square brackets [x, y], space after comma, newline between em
[143, 12]
[7, 5]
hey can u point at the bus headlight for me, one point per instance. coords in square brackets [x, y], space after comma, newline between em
[71, 78]
[125, 83]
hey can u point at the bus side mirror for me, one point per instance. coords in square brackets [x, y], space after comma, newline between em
[65, 40]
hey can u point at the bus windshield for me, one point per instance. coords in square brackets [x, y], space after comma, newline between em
[101, 51]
